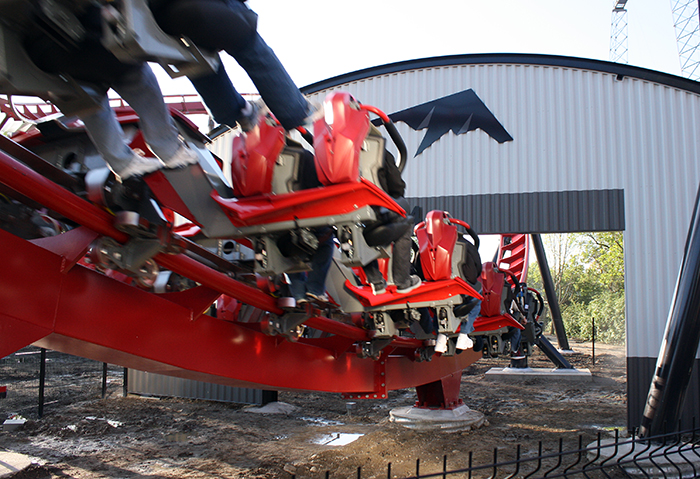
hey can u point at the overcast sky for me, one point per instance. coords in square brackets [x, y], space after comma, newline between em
[319, 39]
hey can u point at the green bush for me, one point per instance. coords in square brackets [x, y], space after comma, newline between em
[607, 308]
[588, 274]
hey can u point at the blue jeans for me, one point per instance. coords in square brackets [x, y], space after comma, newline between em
[468, 324]
[314, 281]
[141, 91]
[269, 76]
[400, 265]
[220, 96]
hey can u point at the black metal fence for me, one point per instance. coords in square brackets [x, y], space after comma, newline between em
[38, 378]
[674, 455]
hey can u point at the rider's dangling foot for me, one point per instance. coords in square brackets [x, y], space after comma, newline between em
[412, 283]
[249, 116]
[184, 156]
[140, 165]
[378, 288]
[320, 298]
[441, 343]
[464, 342]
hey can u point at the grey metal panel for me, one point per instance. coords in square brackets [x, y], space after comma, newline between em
[639, 374]
[540, 212]
[141, 382]
[577, 125]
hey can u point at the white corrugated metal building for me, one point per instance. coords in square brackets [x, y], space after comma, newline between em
[596, 146]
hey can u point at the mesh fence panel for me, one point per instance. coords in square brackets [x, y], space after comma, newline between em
[68, 380]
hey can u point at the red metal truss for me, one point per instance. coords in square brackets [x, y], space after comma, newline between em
[513, 255]
[336, 199]
[49, 299]
[187, 104]
[431, 291]
[83, 312]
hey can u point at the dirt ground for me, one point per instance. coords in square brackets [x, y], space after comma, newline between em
[134, 437]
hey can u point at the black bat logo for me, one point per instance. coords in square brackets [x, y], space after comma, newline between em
[461, 112]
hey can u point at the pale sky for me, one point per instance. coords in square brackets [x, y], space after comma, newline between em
[319, 39]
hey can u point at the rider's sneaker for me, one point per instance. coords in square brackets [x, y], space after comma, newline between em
[378, 288]
[250, 114]
[517, 355]
[413, 282]
[140, 165]
[323, 297]
[218, 131]
[301, 301]
[184, 156]
[441, 343]
[464, 341]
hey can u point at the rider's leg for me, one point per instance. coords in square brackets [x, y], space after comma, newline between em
[108, 137]
[401, 265]
[219, 95]
[320, 264]
[141, 90]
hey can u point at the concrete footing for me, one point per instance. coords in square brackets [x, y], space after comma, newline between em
[13, 462]
[509, 374]
[460, 418]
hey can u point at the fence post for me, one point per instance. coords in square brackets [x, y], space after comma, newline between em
[104, 380]
[593, 339]
[42, 380]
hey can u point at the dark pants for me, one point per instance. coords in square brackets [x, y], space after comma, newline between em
[400, 266]
[230, 25]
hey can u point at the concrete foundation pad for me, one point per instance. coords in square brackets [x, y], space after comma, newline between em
[13, 462]
[655, 460]
[509, 374]
[460, 418]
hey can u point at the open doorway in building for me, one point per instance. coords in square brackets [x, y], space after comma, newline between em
[589, 280]
[588, 277]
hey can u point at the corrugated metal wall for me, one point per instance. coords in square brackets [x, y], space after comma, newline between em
[577, 126]
[540, 212]
[140, 382]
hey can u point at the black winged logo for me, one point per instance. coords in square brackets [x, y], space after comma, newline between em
[460, 112]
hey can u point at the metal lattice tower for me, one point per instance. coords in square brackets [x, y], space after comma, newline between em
[618, 32]
[687, 25]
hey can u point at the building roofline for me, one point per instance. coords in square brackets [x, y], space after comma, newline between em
[619, 69]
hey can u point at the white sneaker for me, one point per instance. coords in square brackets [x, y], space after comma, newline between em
[464, 341]
[441, 343]
[378, 288]
[184, 156]
[139, 166]
[250, 115]
[322, 298]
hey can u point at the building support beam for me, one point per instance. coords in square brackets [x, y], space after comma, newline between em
[549, 291]
[680, 344]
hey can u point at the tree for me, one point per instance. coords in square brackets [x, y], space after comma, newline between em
[588, 274]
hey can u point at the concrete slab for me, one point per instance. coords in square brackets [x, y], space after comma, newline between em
[13, 462]
[13, 424]
[451, 420]
[275, 407]
[545, 374]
